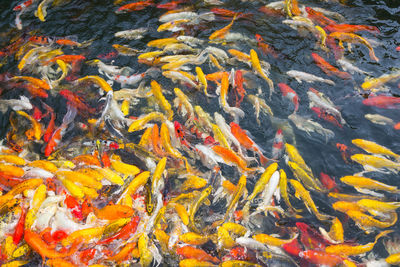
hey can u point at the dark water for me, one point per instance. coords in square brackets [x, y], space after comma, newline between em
[86, 20]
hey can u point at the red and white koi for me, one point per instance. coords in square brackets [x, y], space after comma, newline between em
[277, 147]
[290, 94]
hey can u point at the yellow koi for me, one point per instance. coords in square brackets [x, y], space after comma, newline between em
[138, 124]
[374, 148]
[302, 175]
[302, 193]
[353, 38]
[157, 92]
[255, 62]
[36, 130]
[240, 189]
[263, 181]
[97, 80]
[271, 240]
[367, 183]
[348, 250]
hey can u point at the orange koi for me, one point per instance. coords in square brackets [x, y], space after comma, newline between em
[189, 252]
[351, 28]
[156, 141]
[264, 47]
[67, 42]
[328, 68]
[220, 34]
[246, 141]
[135, 6]
[51, 126]
[37, 244]
[114, 212]
[318, 17]
[77, 101]
[35, 91]
[228, 13]
[34, 81]
[67, 58]
[230, 157]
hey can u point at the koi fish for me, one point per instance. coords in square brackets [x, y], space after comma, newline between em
[354, 38]
[326, 116]
[220, 34]
[290, 94]
[328, 68]
[351, 28]
[255, 63]
[303, 76]
[382, 101]
[60, 131]
[264, 47]
[246, 142]
[318, 17]
[376, 83]
[135, 6]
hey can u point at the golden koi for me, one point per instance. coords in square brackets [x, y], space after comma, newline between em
[161, 100]
[302, 193]
[255, 62]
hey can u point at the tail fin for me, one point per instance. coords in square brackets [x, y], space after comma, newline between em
[264, 160]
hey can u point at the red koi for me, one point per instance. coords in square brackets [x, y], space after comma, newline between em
[243, 254]
[398, 49]
[277, 147]
[170, 5]
[87, 255]
[108, 56]
[37, 113]
[58, 134]
[73, 206]
[290, 94]
[179, 132]
[310, 237]
[321, 258]
[23, 5]
[19, 229]
[397, 126]
[383, 101]
[328, 182]
[135, 6]
[209, 140]
[318, 17]
[51, 126]
[351, 28]
[337, 50]
[9, 181]
[326, 116]
[328, 68]
[293, 248]
[246, 141]
[87, 207]
[76, 101]
[39, 40]
[264, 47]
[37, 244]
[239, 90]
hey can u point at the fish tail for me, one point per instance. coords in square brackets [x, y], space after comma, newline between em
[372, 54]
[382, 234]
[263, 159]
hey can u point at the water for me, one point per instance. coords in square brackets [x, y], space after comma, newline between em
[84, 20]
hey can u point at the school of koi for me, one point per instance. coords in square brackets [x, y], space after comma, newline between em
[136, 170]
